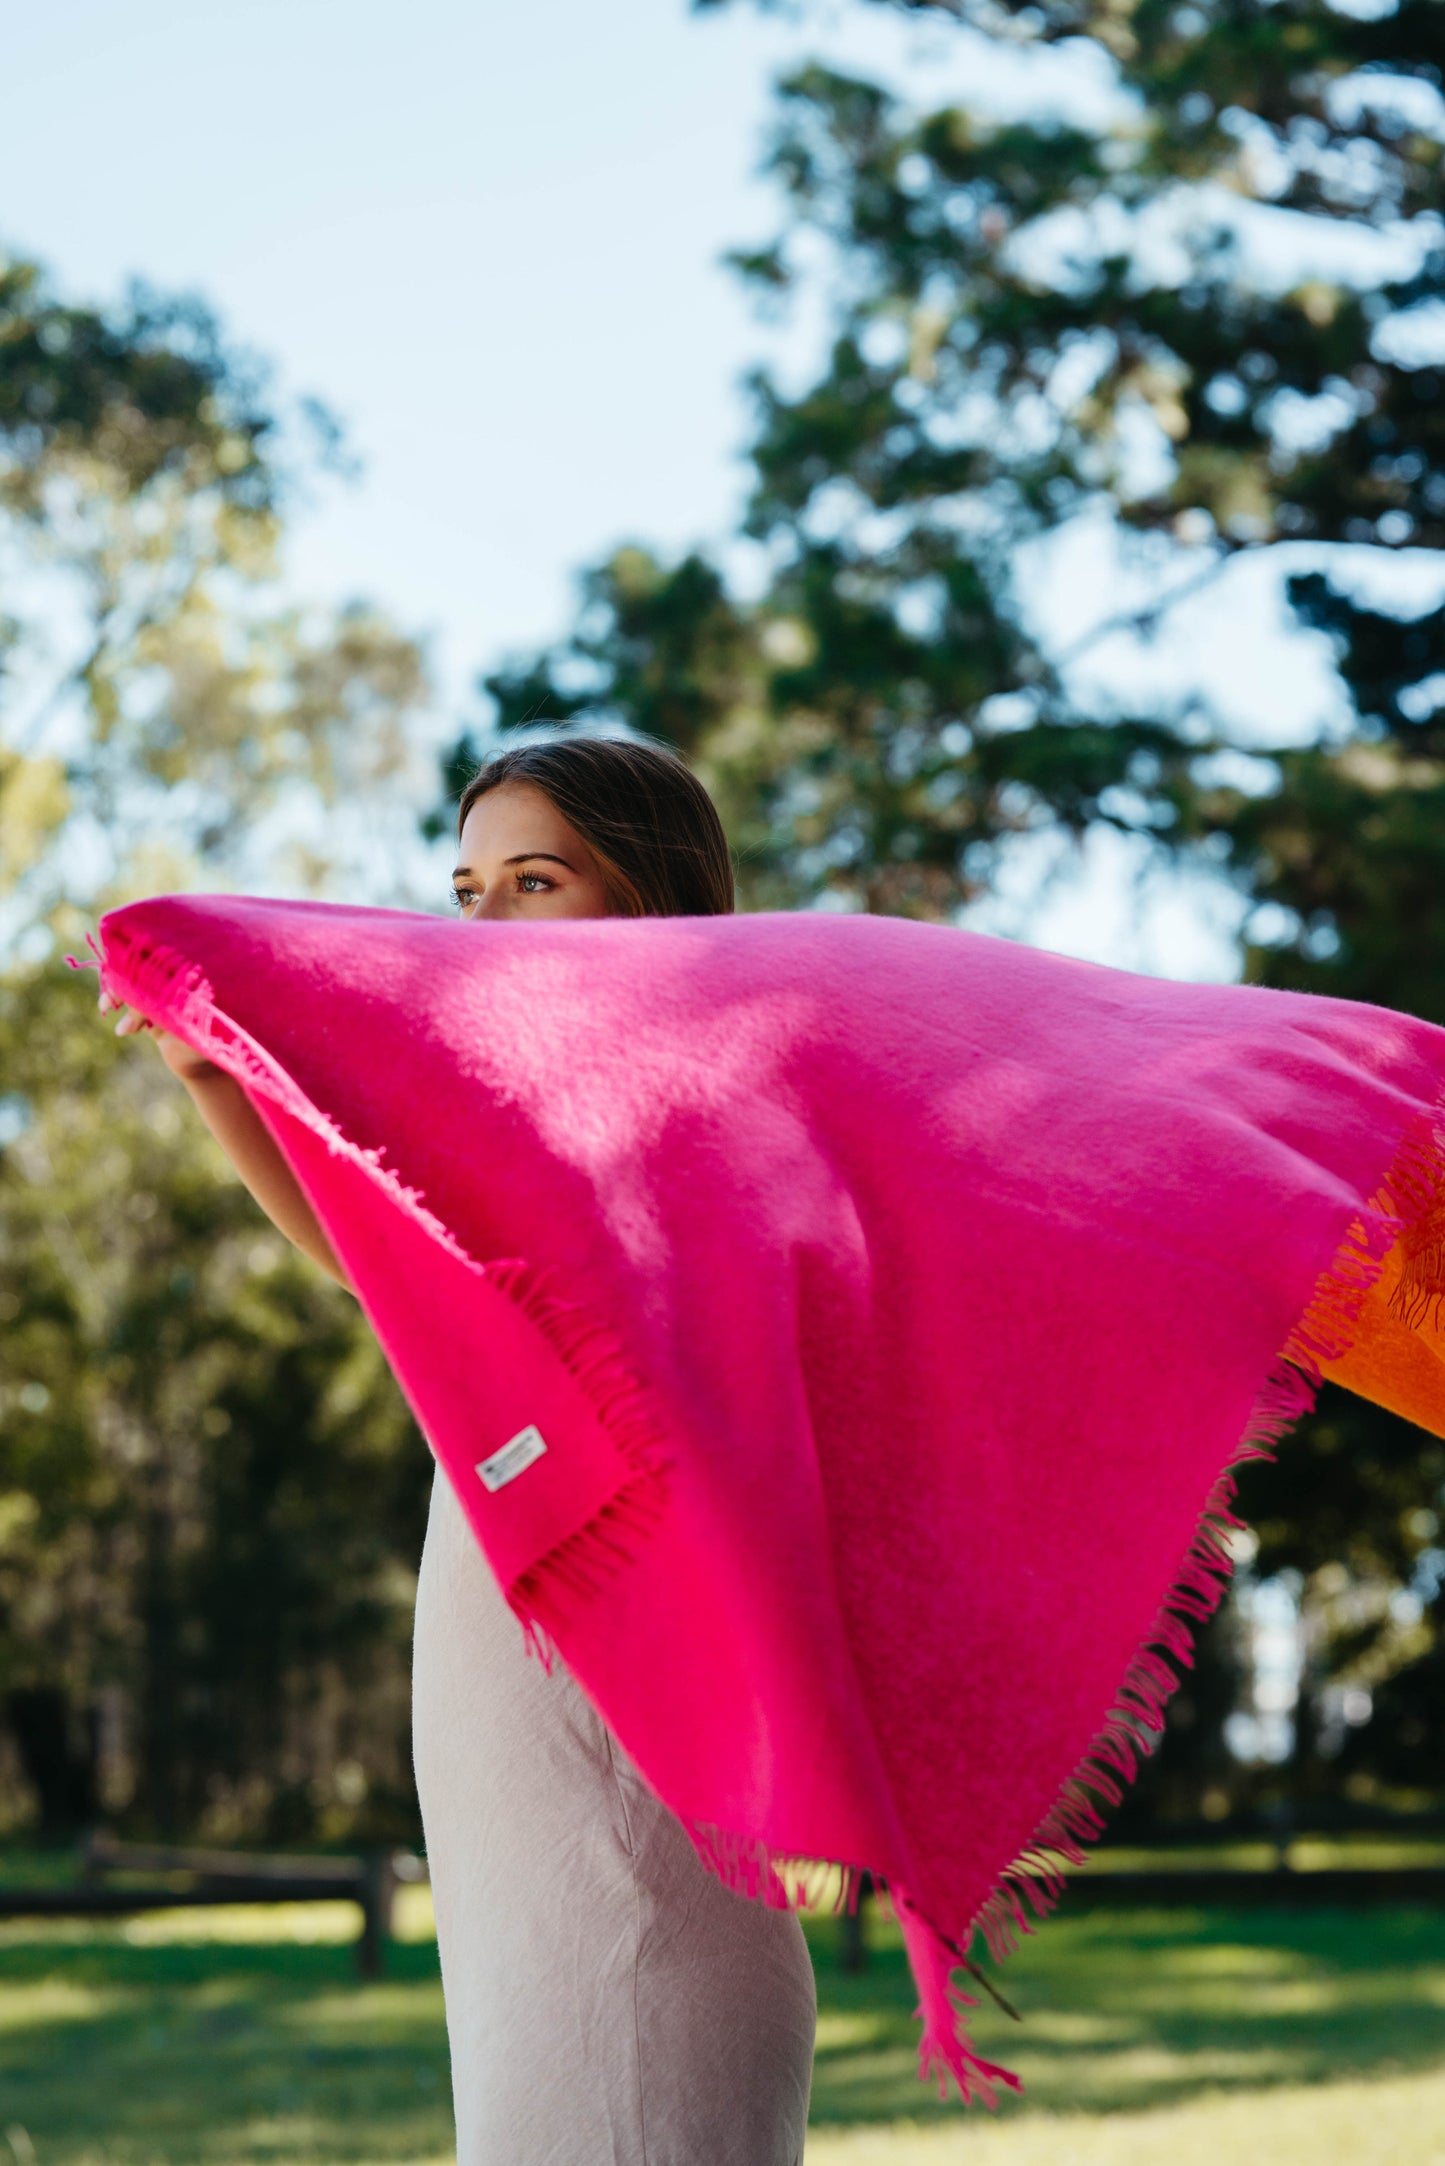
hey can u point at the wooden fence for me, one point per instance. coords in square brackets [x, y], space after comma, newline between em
[123, 1879]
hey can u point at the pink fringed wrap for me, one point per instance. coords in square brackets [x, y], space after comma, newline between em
[892, 1303]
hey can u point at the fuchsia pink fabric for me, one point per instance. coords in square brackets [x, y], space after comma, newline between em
[890, 1301]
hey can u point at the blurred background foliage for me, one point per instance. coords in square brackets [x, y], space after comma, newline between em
[211, 1497]
[1205, 328]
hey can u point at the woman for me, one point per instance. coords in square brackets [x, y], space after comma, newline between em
[839, 1334]
[659, 2019]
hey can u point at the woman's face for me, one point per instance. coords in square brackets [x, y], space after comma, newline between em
[519, 858]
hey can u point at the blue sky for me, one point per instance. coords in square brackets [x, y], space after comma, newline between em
[487, 235]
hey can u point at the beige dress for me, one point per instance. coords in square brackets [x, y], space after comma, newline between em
[609, 2003]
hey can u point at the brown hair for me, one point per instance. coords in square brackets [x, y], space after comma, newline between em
[641, 811]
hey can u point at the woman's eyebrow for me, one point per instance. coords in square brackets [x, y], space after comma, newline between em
[464, 872]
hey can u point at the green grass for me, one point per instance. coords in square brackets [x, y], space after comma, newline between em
[120, 2045]
[233, 2038]
[1125, 2011]
[1389, 2121]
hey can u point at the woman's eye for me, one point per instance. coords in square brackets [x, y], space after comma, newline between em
[528, 883]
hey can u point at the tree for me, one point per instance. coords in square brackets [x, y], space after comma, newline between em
[162, 696]
[211, 1496]
[1013, 349]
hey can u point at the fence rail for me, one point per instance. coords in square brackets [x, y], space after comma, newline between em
[125, 1879]
[1103, 1887]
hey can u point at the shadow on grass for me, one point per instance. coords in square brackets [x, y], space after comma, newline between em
[1128, 2010]
[194, 2055]
[224, 2054]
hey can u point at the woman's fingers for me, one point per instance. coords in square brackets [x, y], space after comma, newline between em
[128, 1022]
[177, 1055]
[109, 1005]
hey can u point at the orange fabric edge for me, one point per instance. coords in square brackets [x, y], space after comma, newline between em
[1397, 1365]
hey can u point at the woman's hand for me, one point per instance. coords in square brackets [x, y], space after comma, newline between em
[181, 1059]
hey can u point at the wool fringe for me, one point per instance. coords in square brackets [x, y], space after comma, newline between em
[750, 1868]
[576, 1569]
[174, 992]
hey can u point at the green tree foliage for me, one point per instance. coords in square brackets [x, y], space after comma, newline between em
[1029, 323]
[211, 1496]
[161, 698]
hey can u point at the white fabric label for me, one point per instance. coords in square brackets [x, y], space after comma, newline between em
[514, 1458]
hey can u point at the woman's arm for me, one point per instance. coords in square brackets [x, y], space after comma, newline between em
[246, 1141]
